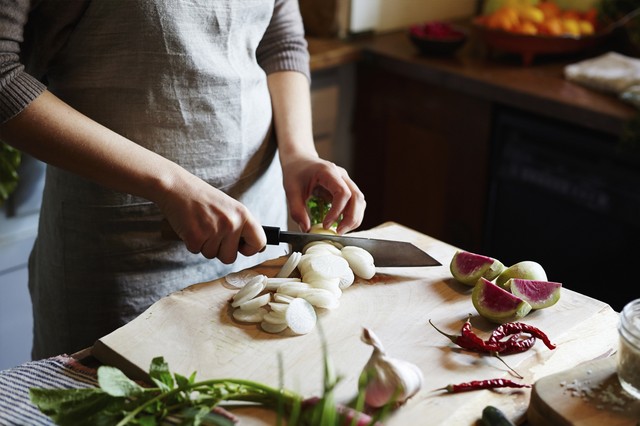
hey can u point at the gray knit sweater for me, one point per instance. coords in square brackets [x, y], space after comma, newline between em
[33, 31]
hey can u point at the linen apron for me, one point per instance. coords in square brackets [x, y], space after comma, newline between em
[179, 77]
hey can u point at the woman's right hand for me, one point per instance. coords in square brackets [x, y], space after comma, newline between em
[209, 221]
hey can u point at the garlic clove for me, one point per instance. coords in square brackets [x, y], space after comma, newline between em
[388, 380]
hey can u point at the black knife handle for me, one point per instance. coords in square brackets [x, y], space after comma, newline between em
[273, 235]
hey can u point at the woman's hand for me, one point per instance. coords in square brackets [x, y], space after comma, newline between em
[210, 222]
[305, 173]
[307, 176]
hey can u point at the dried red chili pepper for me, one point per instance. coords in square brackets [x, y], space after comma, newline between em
[510, 328]
[484, 384]
[469, 340]
[516, 343]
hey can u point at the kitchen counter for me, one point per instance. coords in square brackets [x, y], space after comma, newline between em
[540, 88]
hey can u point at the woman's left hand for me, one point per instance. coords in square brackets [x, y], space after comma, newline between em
[311, 175]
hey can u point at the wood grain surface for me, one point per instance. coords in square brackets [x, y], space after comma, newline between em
[587, 395]
[194, 331]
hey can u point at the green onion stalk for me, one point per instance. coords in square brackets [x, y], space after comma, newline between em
[120, 401]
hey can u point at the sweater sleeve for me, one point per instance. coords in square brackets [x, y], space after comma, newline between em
[17, 88]
[283, 47]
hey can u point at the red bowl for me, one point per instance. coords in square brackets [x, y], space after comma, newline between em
[443, 41]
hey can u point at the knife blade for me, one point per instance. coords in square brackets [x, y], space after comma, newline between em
[385, 253]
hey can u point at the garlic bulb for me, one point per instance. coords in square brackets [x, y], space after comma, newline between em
[388, 380]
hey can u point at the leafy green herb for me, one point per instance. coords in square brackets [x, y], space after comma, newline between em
[9, 162]
[120, 401]
[318, 208]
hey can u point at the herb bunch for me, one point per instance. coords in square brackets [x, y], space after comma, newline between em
[181, 400]
[121, 401]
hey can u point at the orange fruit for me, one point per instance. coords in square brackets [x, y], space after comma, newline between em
[505, 18]
[570, 26]
[586, 28]
[552, 27]
[549, 9]
[570, 14]
[532, 14]
[526, 28]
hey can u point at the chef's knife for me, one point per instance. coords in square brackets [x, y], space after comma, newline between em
[384, 252]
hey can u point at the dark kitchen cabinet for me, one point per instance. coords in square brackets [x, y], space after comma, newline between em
[509, 161]
[422, 156]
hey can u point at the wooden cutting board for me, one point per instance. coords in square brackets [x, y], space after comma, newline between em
[194, 331]
[586, 395]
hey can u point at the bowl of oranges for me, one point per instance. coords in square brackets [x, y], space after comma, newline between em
[536, 28]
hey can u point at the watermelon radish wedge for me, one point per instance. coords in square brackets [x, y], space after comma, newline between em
[497, 304]
[539, 294]
[467, 267]
[526, 269]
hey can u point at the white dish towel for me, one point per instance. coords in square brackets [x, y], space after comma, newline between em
[611, 73]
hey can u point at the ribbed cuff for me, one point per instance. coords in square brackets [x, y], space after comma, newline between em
[17, 94]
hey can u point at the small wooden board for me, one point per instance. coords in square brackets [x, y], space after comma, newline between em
[587, 395]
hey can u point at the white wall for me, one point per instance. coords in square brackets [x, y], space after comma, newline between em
[388, 15]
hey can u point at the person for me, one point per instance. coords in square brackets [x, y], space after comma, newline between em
[197, 113]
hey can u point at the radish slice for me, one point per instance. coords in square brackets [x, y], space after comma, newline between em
[241, 278]
[301, 317]
[275, 317]
[249, 316]
[293, 289]
[249, 291]
[279, 307]
[290, 265]
[329, 266]
[255, 303]
[360, 261]
[282, 298]
[321, 298]
[272, 284]
[330, 284]
[272, 328]
[322, 247]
